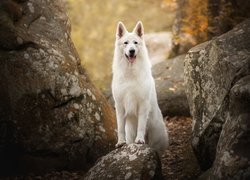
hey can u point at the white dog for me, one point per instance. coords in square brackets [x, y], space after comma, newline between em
[139, 119]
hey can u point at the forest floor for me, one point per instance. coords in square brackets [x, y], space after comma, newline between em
[178, 163]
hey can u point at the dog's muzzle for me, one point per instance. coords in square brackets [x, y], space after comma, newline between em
[131, 57]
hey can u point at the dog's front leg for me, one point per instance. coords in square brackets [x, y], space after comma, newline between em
[120, 117]
[142, 122]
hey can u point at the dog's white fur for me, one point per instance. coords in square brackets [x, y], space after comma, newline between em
[133, 88]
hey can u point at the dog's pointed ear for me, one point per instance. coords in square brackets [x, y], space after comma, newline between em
[139, 30]
[121, 29]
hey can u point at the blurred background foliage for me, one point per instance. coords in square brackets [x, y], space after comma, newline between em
[190, 21]
[94, 25]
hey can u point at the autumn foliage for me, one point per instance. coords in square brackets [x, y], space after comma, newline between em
[191, 22]
[201, 20]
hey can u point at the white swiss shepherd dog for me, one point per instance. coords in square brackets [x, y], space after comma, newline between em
[139, 119]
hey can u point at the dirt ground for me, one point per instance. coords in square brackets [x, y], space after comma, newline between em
[178, 163]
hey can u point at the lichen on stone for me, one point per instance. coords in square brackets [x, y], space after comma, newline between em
[31, 7]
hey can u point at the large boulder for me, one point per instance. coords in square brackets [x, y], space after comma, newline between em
[128, 162]
[51, 116]
[233, 157]
[169, 82]
[217, 86]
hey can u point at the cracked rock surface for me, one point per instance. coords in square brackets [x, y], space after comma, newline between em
[217, 82]
[51, 116]
[132, 161]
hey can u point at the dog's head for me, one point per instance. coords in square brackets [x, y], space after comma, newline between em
[129, 42]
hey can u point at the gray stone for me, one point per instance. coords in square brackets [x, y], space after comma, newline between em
[217, 86]
[233, 157]
[45, 96]
[132, 161]
[169, 82]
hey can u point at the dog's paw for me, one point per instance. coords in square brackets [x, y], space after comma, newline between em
[139, 141]
[120, 144]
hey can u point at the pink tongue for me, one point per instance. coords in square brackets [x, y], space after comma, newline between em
[131, 59]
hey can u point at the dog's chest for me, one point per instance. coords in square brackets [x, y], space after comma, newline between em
[130, 94]
[131, 98]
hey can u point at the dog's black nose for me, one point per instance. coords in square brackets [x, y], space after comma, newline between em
[132, 51]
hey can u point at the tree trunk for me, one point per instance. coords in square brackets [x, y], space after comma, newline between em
[223, 15]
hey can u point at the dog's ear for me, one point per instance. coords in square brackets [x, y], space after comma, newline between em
[121, 29]
[139, 29]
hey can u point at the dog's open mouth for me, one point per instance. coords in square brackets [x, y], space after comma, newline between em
[130, 59]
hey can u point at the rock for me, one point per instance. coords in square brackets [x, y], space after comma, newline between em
[233, 157]
[51, 116]
[205, 175]
[169, 82]
[159, 46]
[217, 81]
[128, 162]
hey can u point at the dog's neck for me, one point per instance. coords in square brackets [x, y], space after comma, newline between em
[141, 68]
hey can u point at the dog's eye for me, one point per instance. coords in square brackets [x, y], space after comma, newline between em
[136, 42]
[126, 42]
